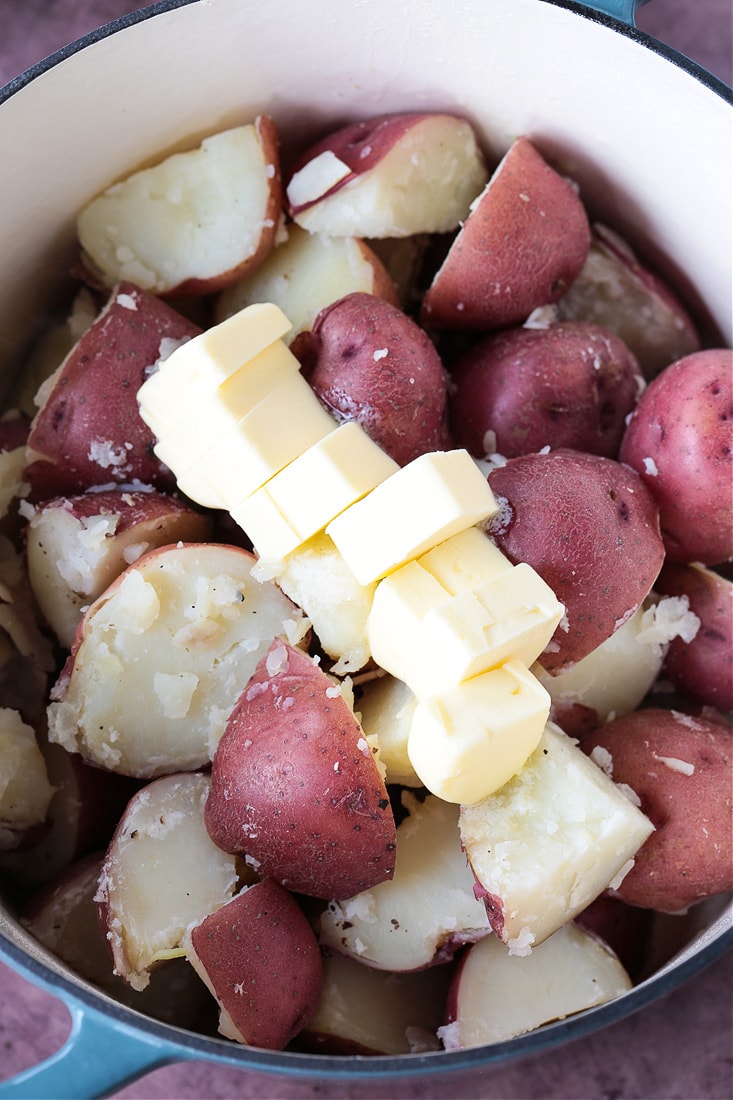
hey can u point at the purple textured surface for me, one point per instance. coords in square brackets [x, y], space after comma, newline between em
[679, 1048]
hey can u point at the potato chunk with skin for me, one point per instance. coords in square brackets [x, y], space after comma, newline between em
[295, 785]
[549, 842]
[391, 176]
[496, 996]
[193, 223]
[161, 657]
[147, 895]
[259, 957]
[680, 769]
[426, 912]
[77, 545]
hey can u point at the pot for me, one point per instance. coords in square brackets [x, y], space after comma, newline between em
[646, 134]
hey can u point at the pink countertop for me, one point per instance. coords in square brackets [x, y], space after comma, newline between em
[679, 1048]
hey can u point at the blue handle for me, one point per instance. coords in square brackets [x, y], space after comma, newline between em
[100, 1055]
[620, 9]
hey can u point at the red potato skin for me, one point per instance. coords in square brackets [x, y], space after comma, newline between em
[292, 788]
[568, 385]
[94, 400]
[263, 960]
[360, 146]
[399, 398]
[690, 855]
[680, 440]
[522, 246]
[590, 528]
[703, 668]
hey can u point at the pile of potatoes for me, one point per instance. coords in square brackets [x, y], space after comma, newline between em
[204, 783]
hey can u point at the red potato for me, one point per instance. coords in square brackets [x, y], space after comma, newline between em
[564, 385]
[702, 667]
[76, 546]
[161, 873]
[295, 786]
[615, 677]
[616, 290]
[88, 430]
[192, 224]
[306, 273]
[548, 842]
[496, 996]
[368, 361]
[425, 913]
[63, 916]
[680, 770]
[391, 176]
[680, 440]
[161, 657]
[260, 958]
[25, 790]
[523, 244]
[590, 528]
[363, 1011]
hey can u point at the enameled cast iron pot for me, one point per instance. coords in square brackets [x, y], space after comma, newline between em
[646, 133]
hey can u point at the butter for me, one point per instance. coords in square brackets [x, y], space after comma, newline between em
[468, 741]
[308, 493]
[287, 421]
[195, 370]
[181, 444]
[457, 611]
[433, 497]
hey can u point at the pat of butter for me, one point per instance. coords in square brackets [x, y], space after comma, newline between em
[433, 497]
[288, 421]
[467, 742]
[194, 371]
[307, 494]
[459, 610]
[184, 443]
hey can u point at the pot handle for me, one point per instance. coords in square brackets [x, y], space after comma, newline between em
[621, 9]
[100, 1055]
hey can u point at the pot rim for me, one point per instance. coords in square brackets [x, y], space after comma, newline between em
[158, 7]
[179, 1043]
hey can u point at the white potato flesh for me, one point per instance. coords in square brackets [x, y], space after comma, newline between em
[386, 707]
[318, 579]
[74, 554]
[194, 216]
[161, 874]
[499, 995]
[425, 183]
[375, 1011]
[550, 841]
[25, 791]
[425, 910]
[614, 678]
[306, 273]
[163, 656]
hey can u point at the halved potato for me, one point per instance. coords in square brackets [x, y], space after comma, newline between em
[195, 222]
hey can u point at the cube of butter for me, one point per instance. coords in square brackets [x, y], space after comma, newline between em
[310, 491]
[433, 497]
[468, 741]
